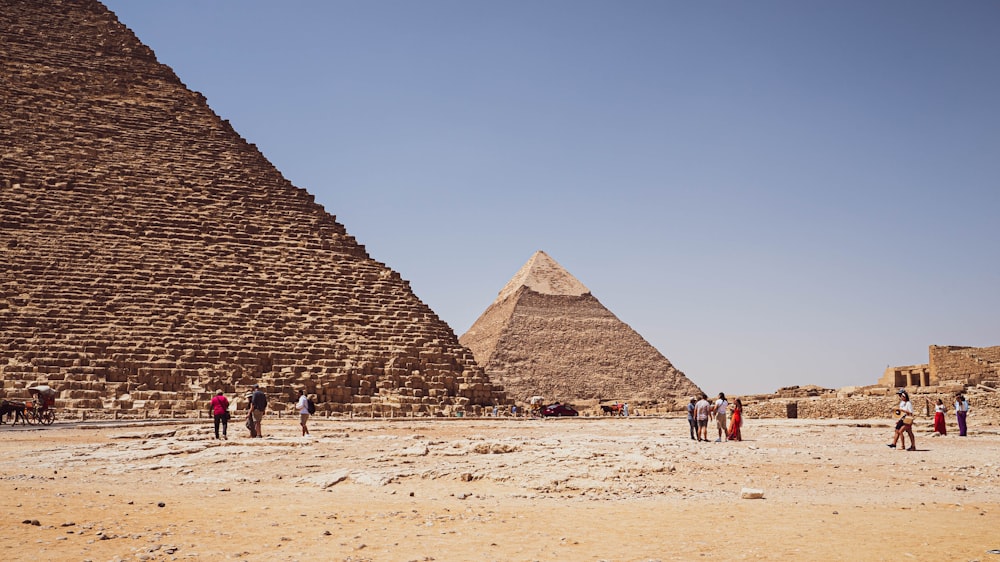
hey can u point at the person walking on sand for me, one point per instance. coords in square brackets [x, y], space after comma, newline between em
[692, 423]
[961, 412]
[258, 405]
[720, 409]
[702, 409]
[904, 425]
[736, 421]
[939, 410]
[220, 413]
[303, 407]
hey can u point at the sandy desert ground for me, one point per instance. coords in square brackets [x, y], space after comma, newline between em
[496, 489]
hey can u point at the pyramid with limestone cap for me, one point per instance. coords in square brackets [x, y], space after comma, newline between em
[543, 275]
[546, 334]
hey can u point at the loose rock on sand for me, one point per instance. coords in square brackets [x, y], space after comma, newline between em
[576, 489]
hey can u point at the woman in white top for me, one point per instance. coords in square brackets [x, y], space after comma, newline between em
[904, 426]
[961, 410]
[939, 410]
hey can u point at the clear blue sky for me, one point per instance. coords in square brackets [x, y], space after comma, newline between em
[771, 193]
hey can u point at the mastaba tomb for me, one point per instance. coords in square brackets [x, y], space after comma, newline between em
[951, 366]
[149, 255]
[547, 335]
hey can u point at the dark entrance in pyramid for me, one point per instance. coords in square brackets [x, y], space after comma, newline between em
[546, 334]
[150, 255]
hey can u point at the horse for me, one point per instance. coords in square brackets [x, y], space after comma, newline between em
[611, 409]
[8, 407]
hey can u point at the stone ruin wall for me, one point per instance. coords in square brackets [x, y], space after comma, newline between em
[874, 403]
[149, 255]
[973, 371]
[949, 366]
[968, 365]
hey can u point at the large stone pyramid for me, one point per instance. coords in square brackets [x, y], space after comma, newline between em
[545, 334]
[149, 254]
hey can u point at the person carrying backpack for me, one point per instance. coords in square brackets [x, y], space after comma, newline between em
[258, 404]
[303, 407]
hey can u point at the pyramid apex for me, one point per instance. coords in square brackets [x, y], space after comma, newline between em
[544, 275]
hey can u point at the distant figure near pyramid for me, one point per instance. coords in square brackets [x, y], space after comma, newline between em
[546, 335]
[149, 255]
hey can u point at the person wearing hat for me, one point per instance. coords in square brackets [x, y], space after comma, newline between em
[904, 425]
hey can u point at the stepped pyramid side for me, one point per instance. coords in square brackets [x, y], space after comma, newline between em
[565, 345]
[149, 254]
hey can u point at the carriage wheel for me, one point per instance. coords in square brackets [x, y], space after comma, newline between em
[30, 416]
[47, 417]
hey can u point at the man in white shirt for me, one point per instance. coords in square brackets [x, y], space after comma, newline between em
[303, 407]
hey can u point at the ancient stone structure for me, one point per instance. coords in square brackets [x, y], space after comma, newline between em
[968, 365]
[149, 254]
[949, 365]
[863, 405]
[546, 334]
[907, 375]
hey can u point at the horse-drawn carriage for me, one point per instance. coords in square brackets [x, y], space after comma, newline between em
[42, 406]
[39, 409]
[616, 409]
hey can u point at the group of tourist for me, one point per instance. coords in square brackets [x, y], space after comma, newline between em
[904, 423]
[699, 412]
[255, 415]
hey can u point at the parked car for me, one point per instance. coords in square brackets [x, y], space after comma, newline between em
[558, 409]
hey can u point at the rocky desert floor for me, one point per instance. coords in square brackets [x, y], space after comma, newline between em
[496, 489]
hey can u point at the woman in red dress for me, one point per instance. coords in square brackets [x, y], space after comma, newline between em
[939, 426]
[736, 421]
